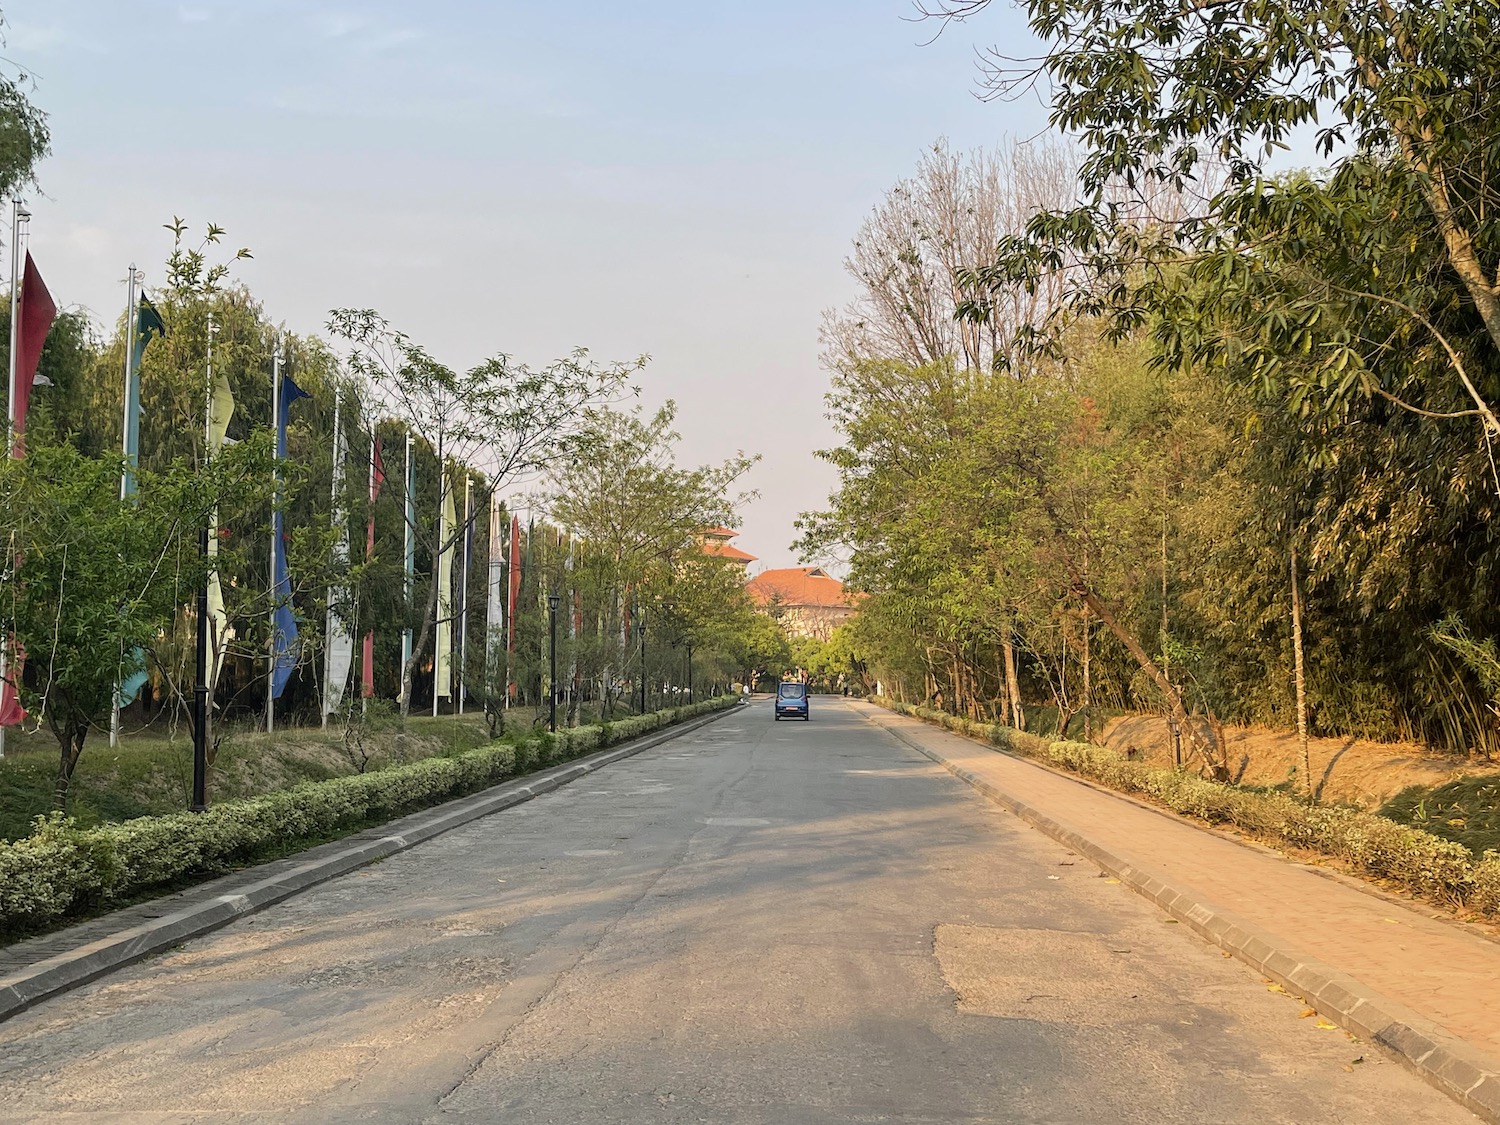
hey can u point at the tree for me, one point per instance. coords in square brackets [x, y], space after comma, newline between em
[928, 231]
[1402, 95]
[96, 577]
[501, 418]
[24, 136]
[638, 516]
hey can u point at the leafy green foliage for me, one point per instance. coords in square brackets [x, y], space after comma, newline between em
[95, 575]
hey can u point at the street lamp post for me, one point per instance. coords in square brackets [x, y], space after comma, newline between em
[690, 671]
[552, 603]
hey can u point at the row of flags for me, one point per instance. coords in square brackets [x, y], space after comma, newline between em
[34, 312]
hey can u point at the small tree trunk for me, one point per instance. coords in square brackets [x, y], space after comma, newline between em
[1178, 714]
[417, 647]
[1088, 682]
[1013, 686]
[1300, 678]
[70, 743]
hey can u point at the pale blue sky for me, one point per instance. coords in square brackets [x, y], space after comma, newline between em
[681, 179]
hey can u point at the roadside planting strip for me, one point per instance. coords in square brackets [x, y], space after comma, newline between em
[65, 963]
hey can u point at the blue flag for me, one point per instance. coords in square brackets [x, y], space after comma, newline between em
[284, 641]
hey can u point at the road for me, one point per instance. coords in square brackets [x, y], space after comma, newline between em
[767, 923]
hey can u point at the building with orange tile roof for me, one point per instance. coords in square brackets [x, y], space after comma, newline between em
[716, 542]
[807, 601]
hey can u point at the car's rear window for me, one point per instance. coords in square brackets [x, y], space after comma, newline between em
[792, 691]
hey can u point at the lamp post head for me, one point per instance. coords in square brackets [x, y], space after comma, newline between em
[553, 601]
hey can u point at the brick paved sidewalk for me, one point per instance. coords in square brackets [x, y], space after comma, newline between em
[1445, 971]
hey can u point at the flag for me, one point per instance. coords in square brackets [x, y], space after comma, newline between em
[377, 478]
[515, 583]
[463, 593]
[494, 607]
[220, 411]
[443, 666]
[339, 646]
[12, 664]
[284, 637]
[130, 685]
[36, 317]
[148, 325]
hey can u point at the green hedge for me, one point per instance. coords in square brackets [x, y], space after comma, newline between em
[1416, 861]
[62, 871]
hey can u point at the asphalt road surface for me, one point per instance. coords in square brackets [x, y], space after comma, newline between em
[770, 923]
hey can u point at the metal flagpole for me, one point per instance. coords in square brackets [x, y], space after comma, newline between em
[334, 502]
[130, 334]
[201, 705]
[18, 215]
[437, 576]
[463, 597]
[275, 499]
[366, 673]
[410, 551]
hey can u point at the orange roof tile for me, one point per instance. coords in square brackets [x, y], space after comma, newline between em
[725, 551]
[798, 585]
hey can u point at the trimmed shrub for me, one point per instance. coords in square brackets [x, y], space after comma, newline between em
[62, 871]
[1416, 861]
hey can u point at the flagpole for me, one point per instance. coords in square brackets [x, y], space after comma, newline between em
[437, 575]
[18, 215]
[463, 598]
[410, 550]
[130, 283]
[334, 511]
[275, 499]
[367, 653]
[201, 688]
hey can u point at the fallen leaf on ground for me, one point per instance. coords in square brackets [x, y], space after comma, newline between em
[1274, 987]
[1324, 1025]
[1305, 1012]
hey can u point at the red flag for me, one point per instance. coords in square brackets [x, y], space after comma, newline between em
[11, 711]
[37, 314]
[377, 478]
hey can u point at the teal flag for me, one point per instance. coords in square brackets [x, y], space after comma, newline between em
[148, 325]
[130, 686]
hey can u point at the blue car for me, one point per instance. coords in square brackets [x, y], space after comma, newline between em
[791, 701]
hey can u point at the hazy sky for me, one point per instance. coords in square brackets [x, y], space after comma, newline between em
[673, 178]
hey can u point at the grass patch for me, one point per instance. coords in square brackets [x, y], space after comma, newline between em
[151, 772]
[1466, 811]
[65, 870]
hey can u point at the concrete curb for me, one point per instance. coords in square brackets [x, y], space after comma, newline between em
[1464, 1073]
[46, 978]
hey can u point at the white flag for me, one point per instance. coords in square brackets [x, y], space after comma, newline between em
[339, 654]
